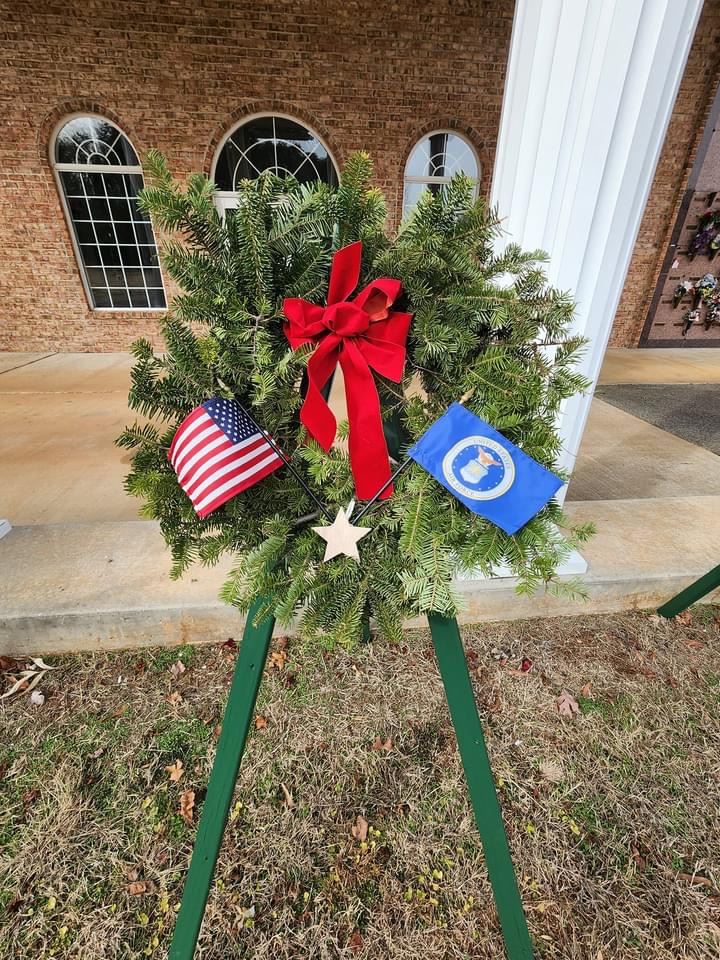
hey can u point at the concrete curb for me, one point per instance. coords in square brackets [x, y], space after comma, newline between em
[105, 586]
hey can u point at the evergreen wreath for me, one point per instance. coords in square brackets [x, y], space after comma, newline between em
[486, 327]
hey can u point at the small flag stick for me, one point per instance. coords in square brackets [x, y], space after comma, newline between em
[406, 463]
[300, 479]
[383, 488]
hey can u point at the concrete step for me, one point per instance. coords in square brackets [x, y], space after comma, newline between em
[103, 586]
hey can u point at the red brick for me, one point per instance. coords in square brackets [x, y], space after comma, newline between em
[177, 74]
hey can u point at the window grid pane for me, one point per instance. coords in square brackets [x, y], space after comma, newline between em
[92, 140]
[433, 162]
[277, 144]
[115, 239]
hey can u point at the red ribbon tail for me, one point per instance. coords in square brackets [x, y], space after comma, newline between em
[316, 415]
[369, 460]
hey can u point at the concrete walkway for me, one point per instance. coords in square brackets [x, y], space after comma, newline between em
[673, 365]
[59, 416]
[79, 570]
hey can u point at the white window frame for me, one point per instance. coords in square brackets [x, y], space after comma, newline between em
[228, 199]
[57, 169]
[407, 178]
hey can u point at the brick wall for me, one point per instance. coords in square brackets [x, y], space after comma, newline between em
[175, 74]
[695, 97]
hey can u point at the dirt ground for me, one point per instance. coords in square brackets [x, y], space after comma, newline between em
[611, 812]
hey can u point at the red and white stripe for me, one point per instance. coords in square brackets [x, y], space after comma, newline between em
[210, 468]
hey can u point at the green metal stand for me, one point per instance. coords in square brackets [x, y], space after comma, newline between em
[236, 723]
[221, 786]
[488, 816]
[696, 591]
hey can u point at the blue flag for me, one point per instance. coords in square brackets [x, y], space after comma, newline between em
[486, 472]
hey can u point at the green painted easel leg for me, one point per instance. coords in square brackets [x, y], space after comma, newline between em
[696, 591]
[221, 786]
[464, 715]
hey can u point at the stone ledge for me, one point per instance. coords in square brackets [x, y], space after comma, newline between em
[102, 586]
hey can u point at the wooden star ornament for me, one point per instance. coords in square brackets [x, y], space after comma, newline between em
[341, 536]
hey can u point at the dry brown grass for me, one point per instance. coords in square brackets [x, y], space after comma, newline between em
[612, 816]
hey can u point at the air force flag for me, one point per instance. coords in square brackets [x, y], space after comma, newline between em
[490, 475]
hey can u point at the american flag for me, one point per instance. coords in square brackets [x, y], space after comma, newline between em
[218, 452]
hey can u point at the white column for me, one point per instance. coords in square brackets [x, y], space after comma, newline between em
[590, 89]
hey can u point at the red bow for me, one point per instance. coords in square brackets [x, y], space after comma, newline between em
[359, 335]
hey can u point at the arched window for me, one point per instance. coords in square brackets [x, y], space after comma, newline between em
[274, 143]
[434, 161]
[99, 176]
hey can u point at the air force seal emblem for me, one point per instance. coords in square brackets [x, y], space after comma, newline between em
[479, 468]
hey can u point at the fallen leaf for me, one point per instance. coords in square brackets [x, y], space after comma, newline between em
[217, 730]
[695, 880]
[281, 643]
[230, 645]
[27, 680]
[137, 887]
[356, 941]
[552, 771]
[685, 618]
[278, 658]
[260, 722]
[360, 829]
[187, 803]
[639, 859]
[174, 698]
[586, 691]
[37, 699]
[541, 906]
[288, 797]
[517, 673]
[175, 770]
[10, 664]
[178, 668]
[526, 664]
[379, 744]
[40, 664]
[694, 645]
[567, 705]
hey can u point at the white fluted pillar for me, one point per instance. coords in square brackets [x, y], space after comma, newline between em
[590, 90]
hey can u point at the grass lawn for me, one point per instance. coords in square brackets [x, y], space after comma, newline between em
[612, 813]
